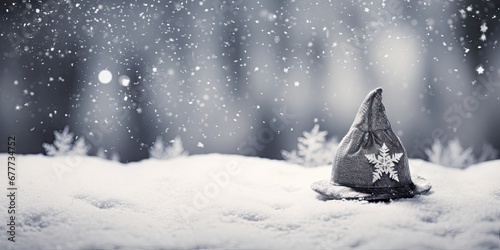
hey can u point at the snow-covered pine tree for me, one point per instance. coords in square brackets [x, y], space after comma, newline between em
[63, 144]
[312, 149]
[80, 147]
[454, 155]
[434, 153]
[101, 153]
[488, 153]
[160, 151]
[156, 151]
[176, 149]
[115, 156]
[451, 155]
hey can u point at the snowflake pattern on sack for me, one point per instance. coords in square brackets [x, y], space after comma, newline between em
[384, 163]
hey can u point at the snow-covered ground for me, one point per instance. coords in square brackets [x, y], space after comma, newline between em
[228, 201]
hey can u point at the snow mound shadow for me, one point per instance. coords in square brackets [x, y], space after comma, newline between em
[248, 215]
[281, 227]
[109, 203]
[39, 220]
[496, 194]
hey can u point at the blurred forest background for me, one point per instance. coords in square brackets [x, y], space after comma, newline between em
[246, 77]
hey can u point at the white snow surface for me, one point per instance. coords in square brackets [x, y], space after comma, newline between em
[91, 203]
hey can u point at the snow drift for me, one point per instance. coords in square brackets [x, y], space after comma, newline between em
[228, 201]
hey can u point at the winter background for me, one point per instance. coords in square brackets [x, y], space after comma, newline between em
[191, 88]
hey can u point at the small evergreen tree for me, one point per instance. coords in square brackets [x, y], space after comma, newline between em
[101, 153]
[115, 156]
[312, 149]
[157, 150]
[63, 144]
[454, 155]
[160, 151]
[80, 147]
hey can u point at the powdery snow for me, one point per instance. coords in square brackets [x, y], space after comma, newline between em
[228, 201]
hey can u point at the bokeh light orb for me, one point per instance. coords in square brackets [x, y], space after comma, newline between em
[124, 80]
[105, 76]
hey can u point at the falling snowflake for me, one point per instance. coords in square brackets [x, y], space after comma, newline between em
[296, 83]
[384, 163]
[462, 12]
[480, 70]
[483, 28]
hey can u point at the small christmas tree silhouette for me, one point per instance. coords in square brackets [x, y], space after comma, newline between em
[454, 155]
[160, 151]
[312, 149]
[63, 144]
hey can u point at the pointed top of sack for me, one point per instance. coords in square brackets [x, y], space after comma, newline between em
[371, 114]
